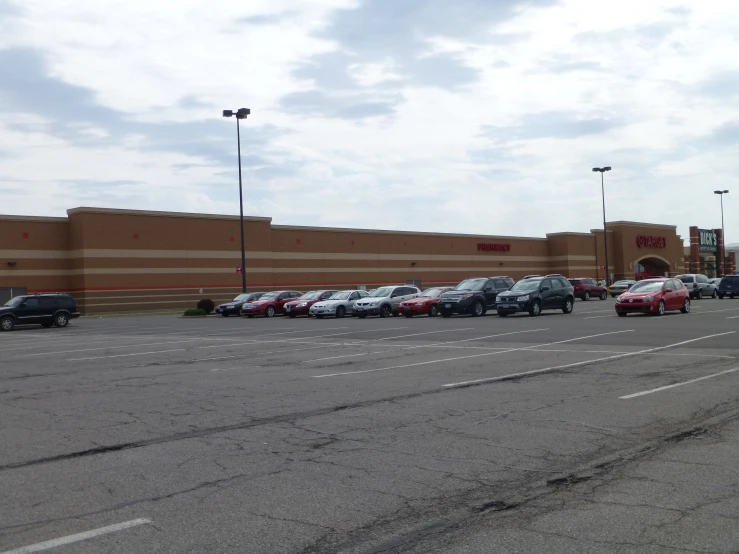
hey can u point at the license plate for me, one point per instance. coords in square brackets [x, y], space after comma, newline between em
[360, 309]
[447, 305]
[504, 306]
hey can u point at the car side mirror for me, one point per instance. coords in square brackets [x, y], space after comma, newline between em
[544, 289]
[668, 290]
[488, 289]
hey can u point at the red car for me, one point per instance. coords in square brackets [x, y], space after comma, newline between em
[654, 296]
[587, 288]
[426, 303]
[302, 305]
[270, 303]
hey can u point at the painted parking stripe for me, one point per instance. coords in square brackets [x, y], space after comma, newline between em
[125, 355]
[109, 348]
[467, 357]
[600, 316]
[69, 539]
[659, 389]
[576, 364]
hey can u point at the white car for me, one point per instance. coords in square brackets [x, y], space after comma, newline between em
[338, 305]
[384, 301]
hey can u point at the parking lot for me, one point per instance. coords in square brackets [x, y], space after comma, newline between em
[571, 433]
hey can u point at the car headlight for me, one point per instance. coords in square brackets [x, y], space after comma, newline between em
[302, 304]
[648, 298]
[523, 298]
[419, 303]
[619, 299]
[467, 295]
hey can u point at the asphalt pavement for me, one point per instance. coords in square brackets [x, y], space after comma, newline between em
[562, 433]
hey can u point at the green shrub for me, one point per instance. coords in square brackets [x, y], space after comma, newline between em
[207, 305]
[195, 311]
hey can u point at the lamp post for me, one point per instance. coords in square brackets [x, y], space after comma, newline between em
[241, 113]
[723, 232]
[602, 170]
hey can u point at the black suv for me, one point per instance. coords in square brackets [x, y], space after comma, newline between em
[38, 309]
[473, 296]
[729, 286]
[533, 295]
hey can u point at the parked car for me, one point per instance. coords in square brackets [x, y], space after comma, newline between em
[302, 305]
[38, 309]
[552, 292]
[715, 281]
[427, 303]
[234, 307]
[384, 301]
[620, 287]
[654, 296]
[698, 285]
[338, 305]
[587, 287]
[474, 296]
[270, 303]
[729, 286]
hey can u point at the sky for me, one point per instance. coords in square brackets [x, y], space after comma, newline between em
[464, 116]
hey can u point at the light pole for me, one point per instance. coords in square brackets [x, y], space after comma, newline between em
[602, 170]
[241, 113]
[723, 232]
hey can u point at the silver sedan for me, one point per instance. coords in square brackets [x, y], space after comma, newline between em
[338, 305]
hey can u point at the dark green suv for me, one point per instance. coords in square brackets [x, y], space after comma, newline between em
[533, 295]
[38, 309]
[729, 286]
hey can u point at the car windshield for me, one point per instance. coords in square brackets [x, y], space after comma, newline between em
[14, 302]
[526, 285]
[382, 292]
[269, 296]
[471, 284]
[621, 284]
[343, 295]
[685, 278]
[574, 281]
[242, 298]
[647, 286]
[312, 295]
[432, 293]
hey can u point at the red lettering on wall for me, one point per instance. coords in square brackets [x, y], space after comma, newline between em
[25, 235]
[490, 247]
[648, 241]
[136, 236]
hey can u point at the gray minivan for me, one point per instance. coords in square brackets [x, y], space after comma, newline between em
[698, 285]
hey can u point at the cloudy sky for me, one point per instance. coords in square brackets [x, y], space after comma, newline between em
[475, 116]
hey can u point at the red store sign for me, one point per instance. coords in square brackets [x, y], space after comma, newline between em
[487, 247]
[646, 241]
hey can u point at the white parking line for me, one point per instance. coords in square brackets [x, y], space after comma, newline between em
[467, 357]
[125, 355]
[69, 539]
[433, 345]
[733, 317]
[109, 347]
[586, 362]
[717, 311]
[600, 316]
[658, 389]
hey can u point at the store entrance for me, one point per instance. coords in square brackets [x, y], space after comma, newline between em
[651, 266]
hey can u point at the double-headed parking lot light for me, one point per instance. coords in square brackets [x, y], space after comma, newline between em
[602, 170]
[723, 232]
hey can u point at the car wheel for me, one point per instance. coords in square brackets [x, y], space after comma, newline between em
[61, 320]
[661, 308]
[385, 311]
[713, 295]
[434, 310]
[270, 312]
[446, 314]
[340, 311]
[603, 295]
[502, 314]
[686, 307]
[409, 314]
[224, 314]
[720, 296]
[567, 309]
[586, 296]
[478, 309]
[7, 324]
[621, 314]
[699, 296]
[361, 316]
[535, 309]
[292, 316]
[396, 314]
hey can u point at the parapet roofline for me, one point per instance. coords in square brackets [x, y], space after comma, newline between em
[33, 218]
[400, 232]
[154, 213]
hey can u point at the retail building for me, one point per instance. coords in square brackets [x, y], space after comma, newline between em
[125, 260]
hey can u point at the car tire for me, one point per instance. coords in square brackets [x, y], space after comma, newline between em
[7, 324]
[661, 308]
[396, 314]
[224, 314]
[385, 311]
[621, 314]
[586, 296]
[699, 296]
[409, 315]
[446, 314]
[61, 319]
[478, 309]
[603, 295]
[567, 308]
[720, 296]
[686, 306]
[713, 295]
[340, 312]
[502, 314]
[434, 310]
[361, 316]
[535, 309]
[292, 316]
[269, 312]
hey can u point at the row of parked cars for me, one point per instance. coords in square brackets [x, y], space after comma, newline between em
[699, 286]
[474, 296]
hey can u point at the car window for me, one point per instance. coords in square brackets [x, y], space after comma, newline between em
[47, 303]
[526, 285]
[546, 283]
[500, 284]
[31, 303]
[685, 278]
[678, 284]
[556, 284]
[354, 296]
[327, 294]
[574, 282]
[702, 279]
[471, 284]
[509, 283]
[564, 282]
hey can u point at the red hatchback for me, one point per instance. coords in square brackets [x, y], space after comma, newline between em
[654, 296]
[426, 303]
[302, 305]
[270, 303]
[587, 288]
